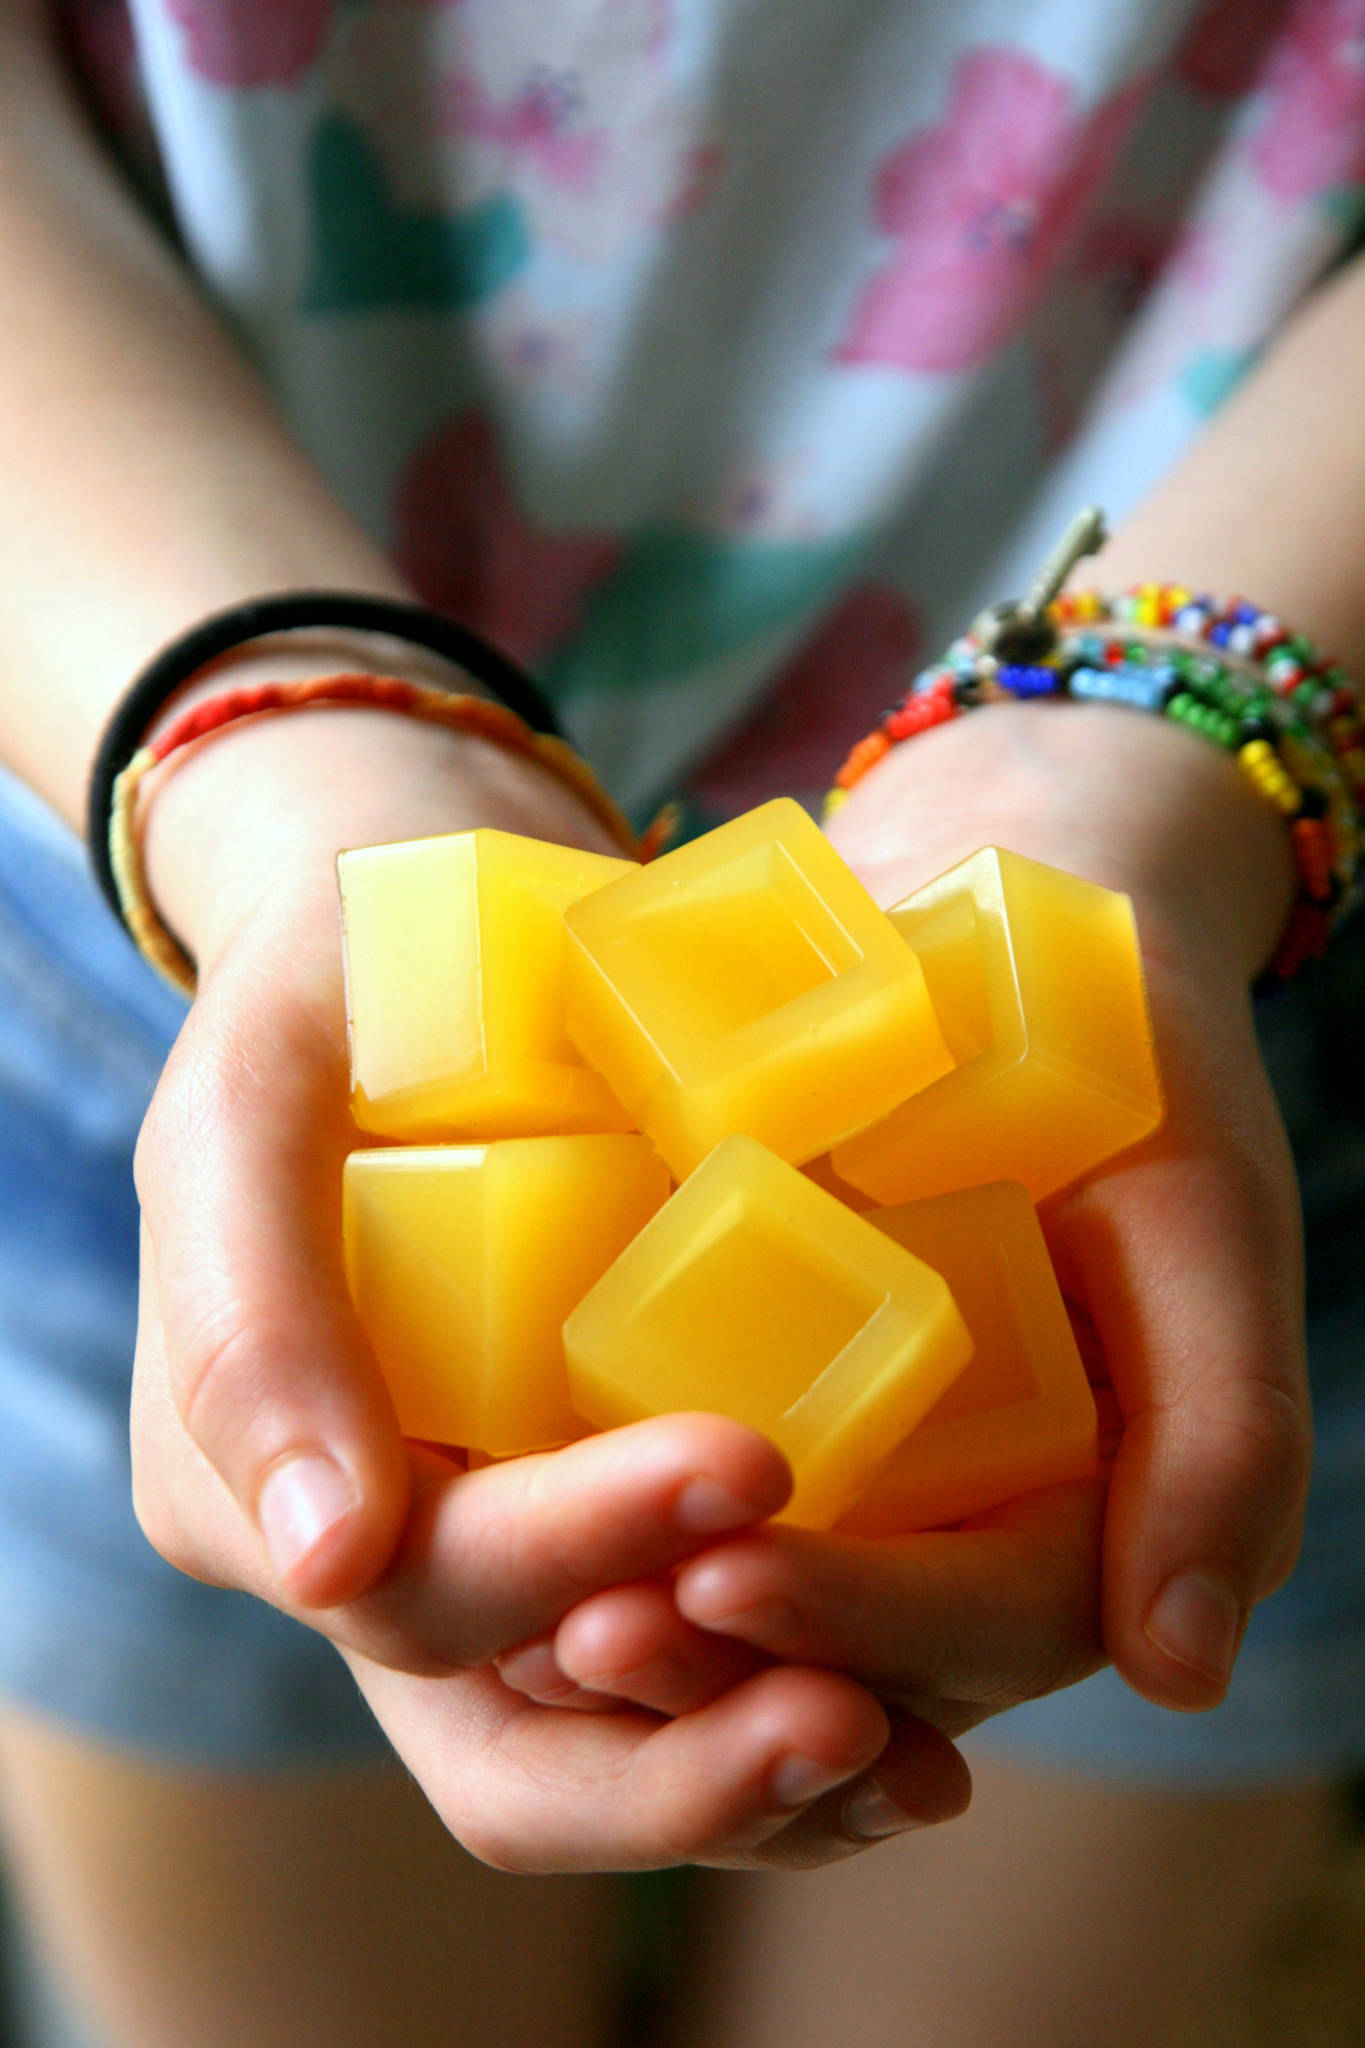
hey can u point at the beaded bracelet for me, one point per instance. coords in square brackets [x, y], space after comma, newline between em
[477, 715]
[1288, 714]
[1287, 663]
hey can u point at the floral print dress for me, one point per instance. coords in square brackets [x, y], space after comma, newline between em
[716, 357]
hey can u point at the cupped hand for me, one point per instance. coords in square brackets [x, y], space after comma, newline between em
[1184, 1253]
[266, 1452]
[1181, 1259]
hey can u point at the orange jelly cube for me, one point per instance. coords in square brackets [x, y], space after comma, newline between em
[1022, 1415]
[755, 1294]
[1037, 981]
[464, 1260]
[748, 983]
[455, 988]
[823, 1174]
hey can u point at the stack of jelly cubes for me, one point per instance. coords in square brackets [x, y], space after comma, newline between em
[720, 1133]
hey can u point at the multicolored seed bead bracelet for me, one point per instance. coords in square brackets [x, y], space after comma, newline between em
[1226, 670]
[1287, 663]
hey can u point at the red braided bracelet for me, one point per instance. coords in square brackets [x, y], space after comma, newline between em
[481, 716]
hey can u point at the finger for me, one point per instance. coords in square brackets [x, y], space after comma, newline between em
[239, 1174]
[494, 1557]
[919, 1781]
[632, 1643]
[489, 1559]
[533, 1670]
[181, 1502]
[535, 1789]
[952, 1625]
[1189, 1259]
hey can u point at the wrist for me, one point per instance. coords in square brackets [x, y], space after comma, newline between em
[1131, 802]
[259, 813]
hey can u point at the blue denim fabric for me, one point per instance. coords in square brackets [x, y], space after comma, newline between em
[95, 1630]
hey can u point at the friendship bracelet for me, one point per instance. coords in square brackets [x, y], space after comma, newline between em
[476, 715]
[1289, 715]
[227, 632]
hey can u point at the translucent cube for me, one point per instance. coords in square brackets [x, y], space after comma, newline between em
[455, 988]
[1022, 1415]
[755, 1294]
[1037, 981]
[464, 1260]
[748, 983]
[823, 1174]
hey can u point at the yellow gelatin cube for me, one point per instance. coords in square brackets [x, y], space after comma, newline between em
[464, 1260]
[1037, 981]
[823, 1174]
[754, 1294]
[455, 988]
[1022, 1415]
[748, 982]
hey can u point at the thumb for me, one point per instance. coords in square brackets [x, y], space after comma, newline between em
[239, 1173]
[1190, 1262]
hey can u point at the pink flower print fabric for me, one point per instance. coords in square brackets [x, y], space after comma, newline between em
[620, 229]
[535, 122]
[573, 108]
[1313, 139]
[570, 107]
[1307, 59]
[1226, 49]
[466, 544]
[979, 207]
[246, 43]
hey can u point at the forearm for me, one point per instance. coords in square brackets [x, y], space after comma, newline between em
[1271, 499]
[144, 477]
[145, 480]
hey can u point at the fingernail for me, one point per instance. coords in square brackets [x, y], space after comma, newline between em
[799, 1779]
[705, 1507]
[1197, 1619]
[870, 1815]
[532, 1669]
[301, 1500]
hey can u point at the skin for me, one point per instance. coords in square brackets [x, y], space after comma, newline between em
[783, 1675]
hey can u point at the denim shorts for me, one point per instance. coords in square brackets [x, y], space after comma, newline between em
[97, 1632]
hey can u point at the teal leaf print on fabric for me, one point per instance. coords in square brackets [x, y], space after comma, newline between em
[1344, 206]
[1209, 379]
[370, 251]
[681, 599]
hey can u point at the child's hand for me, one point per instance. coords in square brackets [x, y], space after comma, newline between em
[766, 1770]
[952, 1627]
[1183, 1255]
[252, 1374]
